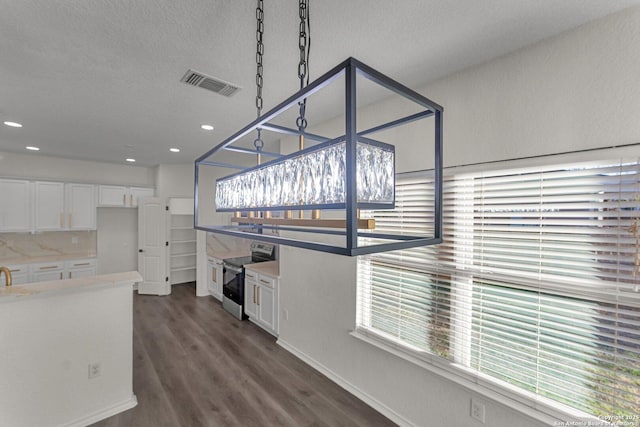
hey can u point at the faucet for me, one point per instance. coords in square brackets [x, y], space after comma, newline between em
[7, 273]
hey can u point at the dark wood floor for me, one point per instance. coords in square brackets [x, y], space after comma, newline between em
[195, 365]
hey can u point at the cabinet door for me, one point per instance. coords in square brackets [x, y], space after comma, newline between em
[211, 271]
[19, 275]
[80, 268]
[135, 193]
[250, 299]
[219, 273]
[49, 206]
[266, 308]
[47, 271]
[14, 209]
[214, 278]
[112, 195]
[81, 207]
[81, 272]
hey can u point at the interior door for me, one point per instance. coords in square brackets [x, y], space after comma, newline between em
[152, 246]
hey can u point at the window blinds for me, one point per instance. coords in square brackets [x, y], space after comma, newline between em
[536, 284]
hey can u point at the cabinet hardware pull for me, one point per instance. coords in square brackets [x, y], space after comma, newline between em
[124, 199]
[70, 219]
[16, 269]
[254, 294]
[49, 267]
[213, 275]
[77, 265]
[257, 295]
[131, 200]
[69, 275]
[61, 275]
[266, 282]
[61, 219]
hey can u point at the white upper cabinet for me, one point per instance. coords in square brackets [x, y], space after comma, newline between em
[60, 206]
[14, 208]
[120, 196]
[136, 193]
[112, 195]
[49, 206]
[81, 206]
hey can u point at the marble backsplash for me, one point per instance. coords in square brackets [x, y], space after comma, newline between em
[21, 247]
[223, 243]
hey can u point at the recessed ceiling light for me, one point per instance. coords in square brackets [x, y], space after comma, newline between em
[131, 160]
[207, 127]
[174, 150]
[32, 148]
[13, 124]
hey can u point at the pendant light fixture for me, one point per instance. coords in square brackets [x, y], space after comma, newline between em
[344, 175]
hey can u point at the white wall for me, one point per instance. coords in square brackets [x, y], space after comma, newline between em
[578, 90]
[174, 180]
[55, 168]
[117, 240]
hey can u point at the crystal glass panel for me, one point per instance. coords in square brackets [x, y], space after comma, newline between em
[313, 178]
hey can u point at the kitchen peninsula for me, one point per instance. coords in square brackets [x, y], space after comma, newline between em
[67, 350]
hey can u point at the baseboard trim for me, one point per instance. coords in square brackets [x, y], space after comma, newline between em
[104, 413]
[351, 388]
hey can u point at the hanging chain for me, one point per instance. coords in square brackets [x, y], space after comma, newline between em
[304, 44]
[259, 143]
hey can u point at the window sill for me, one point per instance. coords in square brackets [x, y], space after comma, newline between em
[528, 404]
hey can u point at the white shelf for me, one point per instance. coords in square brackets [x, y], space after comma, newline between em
[190, 267]
[183, 254]
[182, 245]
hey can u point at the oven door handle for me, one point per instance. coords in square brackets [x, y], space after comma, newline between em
[233, 268]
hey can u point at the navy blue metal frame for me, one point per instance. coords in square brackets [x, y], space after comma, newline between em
[350, 69]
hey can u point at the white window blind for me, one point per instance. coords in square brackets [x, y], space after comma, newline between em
[535, 286]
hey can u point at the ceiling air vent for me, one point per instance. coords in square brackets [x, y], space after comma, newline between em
[195, 78]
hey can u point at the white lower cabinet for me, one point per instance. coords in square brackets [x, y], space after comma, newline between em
[63, 270]
[80, 268]
[214, 277]
[19, 274]
[261, 300]
[47, 271]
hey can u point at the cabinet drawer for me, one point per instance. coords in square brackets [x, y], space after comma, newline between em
[47, 271]
[266, 281]
[250, 275]
[47, 266]
[19, 274]
[81, 263]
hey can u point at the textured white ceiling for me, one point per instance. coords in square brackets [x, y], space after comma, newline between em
[99, 79]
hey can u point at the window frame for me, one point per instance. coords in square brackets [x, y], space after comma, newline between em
[456, 369]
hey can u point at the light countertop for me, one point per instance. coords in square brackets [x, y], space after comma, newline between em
[269, 268]
[41, 259]
[18, 292]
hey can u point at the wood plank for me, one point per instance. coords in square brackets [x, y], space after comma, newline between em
[196, 365]
[363, 224]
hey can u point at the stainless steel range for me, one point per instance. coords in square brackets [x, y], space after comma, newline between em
[233, 282]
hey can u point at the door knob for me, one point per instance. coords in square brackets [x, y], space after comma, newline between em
[140, 250]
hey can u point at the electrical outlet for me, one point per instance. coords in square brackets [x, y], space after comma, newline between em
[74, 240]
[285, 313]
[477, 410]
[94, 370]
